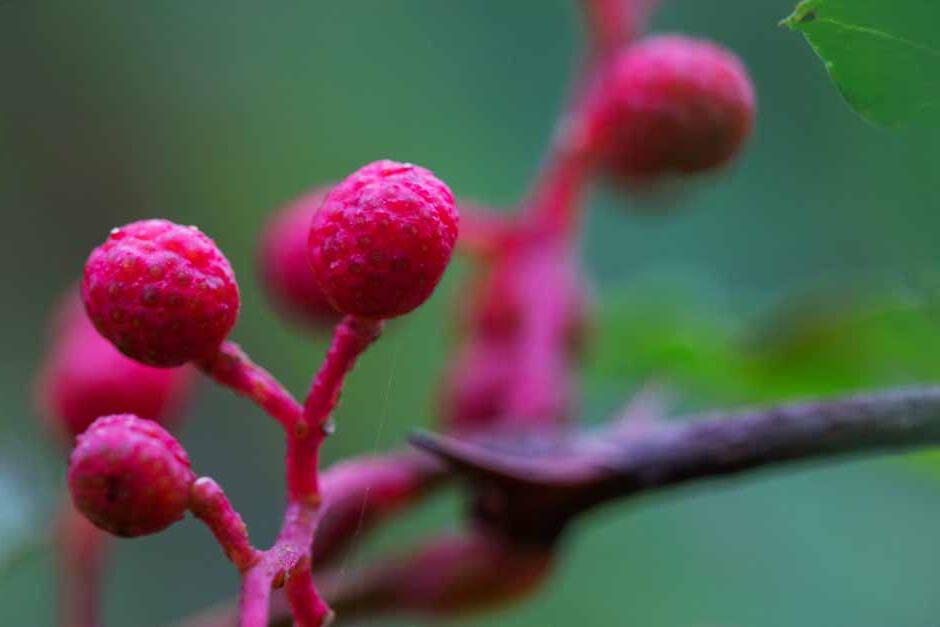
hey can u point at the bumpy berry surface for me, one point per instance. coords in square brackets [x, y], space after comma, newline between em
[673, 105]
[285, 268]
[129, 476]
[382, 239]
[164, 294]
[85, 377]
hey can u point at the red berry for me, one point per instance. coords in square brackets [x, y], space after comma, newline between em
[85, 377]
[164, 294]
[285, 267]
[673, 105]
[129, 476]
[382, 239]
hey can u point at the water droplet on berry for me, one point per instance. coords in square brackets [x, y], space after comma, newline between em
[329, 427]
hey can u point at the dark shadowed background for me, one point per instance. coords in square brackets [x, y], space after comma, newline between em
[216, 113]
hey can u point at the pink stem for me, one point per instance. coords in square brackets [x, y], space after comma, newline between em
[306, 605]
[81, 554]
[253, 606]
[289, 559]
[303, 453]
[540, 395]
[613, 23]
[443, 578]
[360, 492]
[352, 336]
[553, 200]
[231, 367]
[209, 503]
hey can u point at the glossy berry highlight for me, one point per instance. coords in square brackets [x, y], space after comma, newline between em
[85, 377]
[164, 294]
[285, 269]
[382, 239]
[672, 105]
[129, 476]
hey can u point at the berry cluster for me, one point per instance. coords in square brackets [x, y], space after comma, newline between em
[164, 295]
[163, 300]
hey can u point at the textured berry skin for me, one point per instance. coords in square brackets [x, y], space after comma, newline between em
[382, 239]
[673, 105]
[85, 377]
[129, 476]
[285, 268]
[164, 294]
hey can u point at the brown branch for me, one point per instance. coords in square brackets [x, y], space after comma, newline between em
[540, 490]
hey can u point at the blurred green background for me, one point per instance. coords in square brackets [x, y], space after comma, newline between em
[806, 268]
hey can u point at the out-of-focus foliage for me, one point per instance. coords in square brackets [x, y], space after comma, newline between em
[818, 344]
[882, 55]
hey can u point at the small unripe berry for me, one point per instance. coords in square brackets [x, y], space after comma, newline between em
[671, 105]
[85, 377]
[129, 476]
[382, 239]
[164, 294]
[285, 267]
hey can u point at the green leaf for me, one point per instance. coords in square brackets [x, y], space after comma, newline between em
[882, 54]
[831, 343]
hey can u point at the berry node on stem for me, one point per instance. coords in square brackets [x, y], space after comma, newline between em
[382, 239]
[164, 294]
[129, 476]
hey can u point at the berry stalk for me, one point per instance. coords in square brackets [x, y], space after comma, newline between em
[288, 558]
[307, 607]
[542, 391]
[288, 561]
[231, 367]
[209, 504]
[612, 23]
[359, 493]
[352, 336]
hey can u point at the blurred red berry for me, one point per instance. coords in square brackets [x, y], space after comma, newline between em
[164, 294]
[382, 239]
[85, 377]
[672, 105]
[129, 476]
[285, 268]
